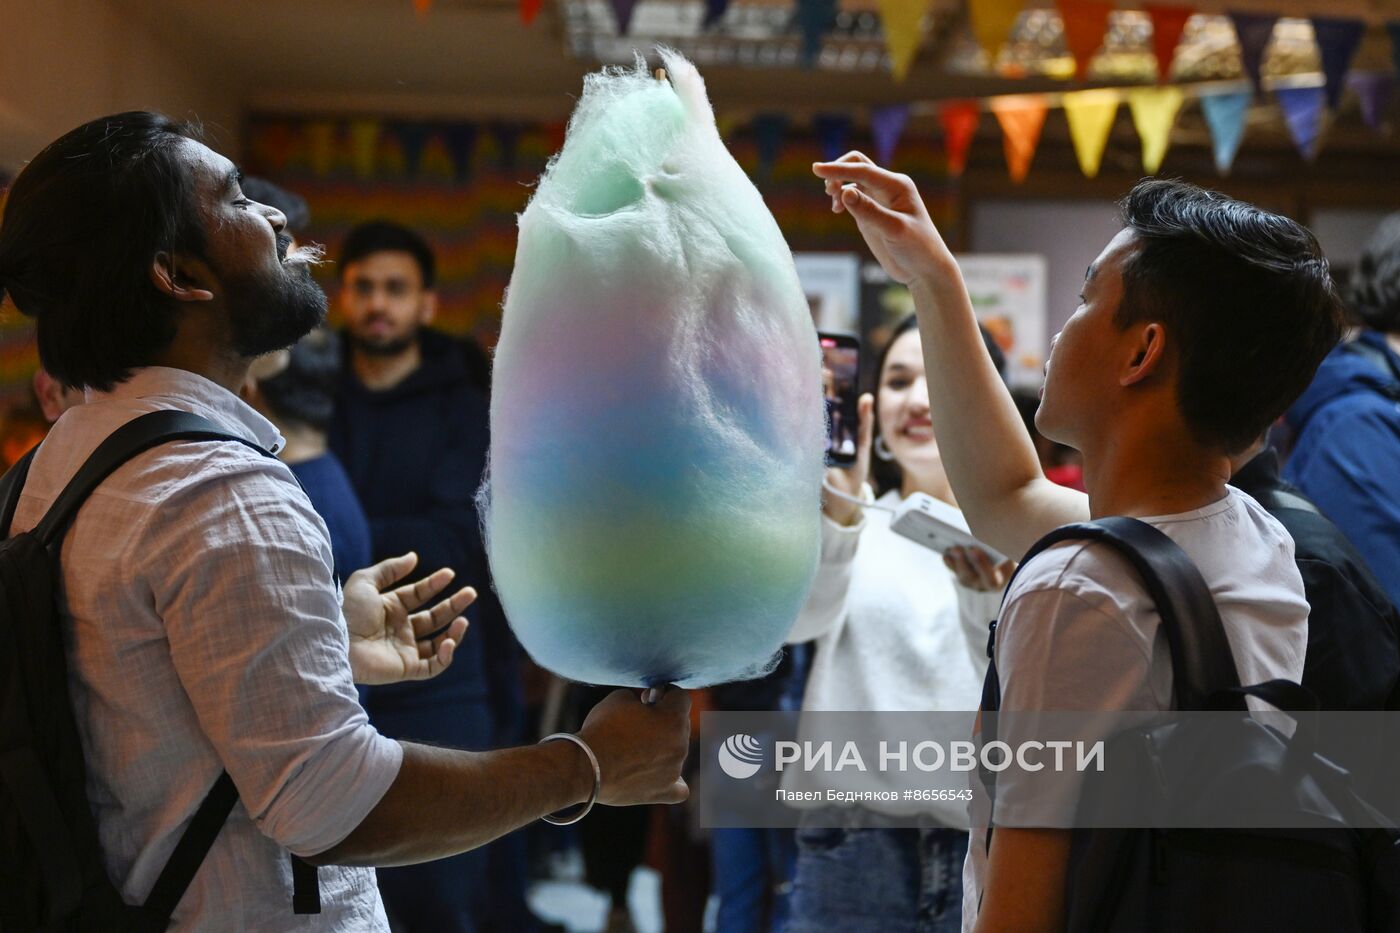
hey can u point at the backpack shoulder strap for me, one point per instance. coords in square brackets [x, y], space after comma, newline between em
[134, 437]
[189, 853]
[1202, 662]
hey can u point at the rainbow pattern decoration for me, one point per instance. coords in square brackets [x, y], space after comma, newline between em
[652, 511]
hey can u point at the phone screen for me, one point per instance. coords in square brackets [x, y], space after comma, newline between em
[840, 371]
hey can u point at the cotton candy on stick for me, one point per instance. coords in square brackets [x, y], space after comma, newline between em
[657, 426]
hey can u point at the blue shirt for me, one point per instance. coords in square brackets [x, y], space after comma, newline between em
[328, 487]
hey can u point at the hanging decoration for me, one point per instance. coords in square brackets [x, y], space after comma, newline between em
[714, 12]
[1225, 115]
[364, 142]
[622, 11]
[320, 137]
[1302, 111]
[959, 121]
[421, 7]
[902, 22]
[1085, 22]
[1154, 111]
[1090, 115]
[815, 18]
[768, 130]
[991, 22]
[1022, 117]
[833, 131]
[529, 9]
[1168, 23]
[1337, 42]
[886, 126]
[460, 140]
[1253, 31]
[1373, 89]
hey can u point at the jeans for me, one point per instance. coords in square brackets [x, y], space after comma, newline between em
[753, 878]
[878, 881]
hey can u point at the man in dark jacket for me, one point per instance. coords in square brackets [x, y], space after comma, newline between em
[1347, 424]
[413, 433]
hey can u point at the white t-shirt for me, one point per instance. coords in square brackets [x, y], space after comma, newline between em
[1079, 632]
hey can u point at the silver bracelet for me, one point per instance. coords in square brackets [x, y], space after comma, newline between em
[555, 818]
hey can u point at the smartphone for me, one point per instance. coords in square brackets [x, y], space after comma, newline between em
[840, 372]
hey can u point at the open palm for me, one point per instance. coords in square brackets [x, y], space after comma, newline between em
[389, 641]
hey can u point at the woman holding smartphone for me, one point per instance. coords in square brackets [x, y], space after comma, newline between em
[896, 627]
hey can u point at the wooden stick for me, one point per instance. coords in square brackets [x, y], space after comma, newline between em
[661, 74]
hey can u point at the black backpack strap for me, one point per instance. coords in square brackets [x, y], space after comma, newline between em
[135, 437]
[189, 853]
[11, 485]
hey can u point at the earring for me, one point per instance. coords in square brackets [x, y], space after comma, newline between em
[882, 450]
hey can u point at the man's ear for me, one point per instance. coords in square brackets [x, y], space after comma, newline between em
[1149, 355]
[428, 311]
[178, 278]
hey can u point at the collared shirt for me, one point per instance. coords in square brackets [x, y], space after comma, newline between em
[204, 633]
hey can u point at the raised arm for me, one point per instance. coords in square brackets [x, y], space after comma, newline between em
[989, 457]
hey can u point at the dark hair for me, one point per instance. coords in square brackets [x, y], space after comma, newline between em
[1246, 297]
[383, 236]
[304, 392]
[82, 225]
[292, 205]
[886, 474]
[1373, 297]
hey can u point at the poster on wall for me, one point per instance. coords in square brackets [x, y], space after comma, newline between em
[1008, 295]
[832, 284]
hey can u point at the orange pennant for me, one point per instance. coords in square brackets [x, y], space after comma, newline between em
[422, 6]
[1021, 118]
[1085, 23]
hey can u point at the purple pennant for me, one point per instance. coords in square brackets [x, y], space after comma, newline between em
[814, 19]
[622, 9]
[768, 130]
[714, 12]
[1337, 41]
[1373, 89]
[1253, 30]
[833, 131]
[1302, 111]
[887, 125]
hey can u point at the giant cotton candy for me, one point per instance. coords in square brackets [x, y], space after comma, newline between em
[656, 419]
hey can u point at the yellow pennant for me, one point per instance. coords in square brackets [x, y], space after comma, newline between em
[1090, 115]
[991, 22]
[1154, 111]
[903, 23]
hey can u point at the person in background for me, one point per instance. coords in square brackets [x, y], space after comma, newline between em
[894, 628]
[295, 390]
[1346, 426]
[1062, 465]
[411, 431]
[22, 427]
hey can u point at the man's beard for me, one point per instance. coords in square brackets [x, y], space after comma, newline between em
[268, 315]
[390, 347]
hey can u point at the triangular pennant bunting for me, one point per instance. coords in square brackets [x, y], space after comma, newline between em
[1021, 118]
[1154, 111]
[1085, 21]
[622, 10]
[714, 12]
[991, 22]
[1302, 111]
[1225, 115]
[529, 9]
[1253, 31]
[1393, 29]
[886, 126]
[833, 133]
[1374, 90]
[460, 140]
[364, 144]
[959, 121]
[815, 18]
[768, 130]
[1090, 115]
[903, 24]
[1337, 42]
[320, 138]
[1168, 22]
